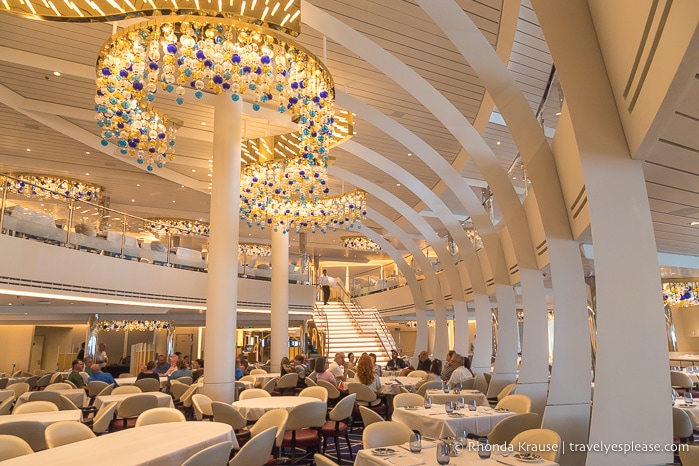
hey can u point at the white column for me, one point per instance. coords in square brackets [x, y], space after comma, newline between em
[279, 340]
[222, 288]
[505, 368]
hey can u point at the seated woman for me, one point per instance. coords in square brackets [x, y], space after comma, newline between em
[322, 372]
[366, 375]
[148, 372]
[286, 366]
[181, 371]
[434, 373]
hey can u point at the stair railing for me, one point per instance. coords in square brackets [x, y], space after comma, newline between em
[324, 328]
[383, 334]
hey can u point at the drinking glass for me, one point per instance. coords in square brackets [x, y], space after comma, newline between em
[472, 406]
[672, 393]
[443, 449]
[415, 443]
[460, 403]
[483, 448]
[428, 402]
[449, 407]
[446, 388]
[688, 398]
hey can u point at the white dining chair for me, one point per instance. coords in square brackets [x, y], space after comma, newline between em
[256, 451]
[65, 432]
[159, 415]
[385, 434]
[35, 407]
[213, 455]
[12, 447]
[544, 442]
[254, 393]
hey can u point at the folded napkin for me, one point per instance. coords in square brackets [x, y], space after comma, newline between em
[427, 444]
[406, 461]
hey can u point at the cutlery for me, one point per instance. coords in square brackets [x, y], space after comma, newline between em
[505, 462]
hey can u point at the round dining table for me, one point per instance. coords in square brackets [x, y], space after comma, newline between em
[253, 408]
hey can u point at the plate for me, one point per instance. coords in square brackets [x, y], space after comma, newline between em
[455, 415]
[501, 410]
[528, 457]
[383, 451]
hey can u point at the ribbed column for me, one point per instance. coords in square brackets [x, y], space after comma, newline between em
[280, 298]
[222, 288]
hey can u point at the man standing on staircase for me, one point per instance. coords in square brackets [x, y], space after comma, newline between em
[324, 283]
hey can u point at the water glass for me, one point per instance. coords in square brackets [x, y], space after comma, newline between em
[688, 398]
[443, 449]
[449, 407]
[446, 388]
[415, 443]
[460, 403]
[672, 393]
[428, 402]
[483, 448]
[472, 406]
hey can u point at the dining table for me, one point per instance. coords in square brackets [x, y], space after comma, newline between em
[439, 397]
[164, 399]
[253, 408]
[169, 444]
[45, 418]
[132, 380]
[392, 385]
[400, 455]
[77, 395]
[436, 423]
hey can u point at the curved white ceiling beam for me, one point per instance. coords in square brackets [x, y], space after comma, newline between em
[430, 236]
[451, 177]
[445, 112]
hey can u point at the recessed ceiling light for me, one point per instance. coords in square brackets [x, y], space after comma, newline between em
[133, 200]
[138, 185]
[409, 154]
[173, 202]
[87, 152]
[203, 123]
[56, 73]
[87, 174]
[29, 150]
[397, 184]
[693, 224]
[497, 143]
[193, 170]
[558, 113]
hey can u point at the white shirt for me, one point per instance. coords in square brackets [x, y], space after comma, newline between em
[336, 370]
[324, 280]
[460, 375]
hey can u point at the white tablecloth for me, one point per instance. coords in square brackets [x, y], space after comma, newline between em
[391, 385]
[76, 395]
[164, 399]
[158, 444]
[253, 408]
[439, 397]
[46, 418]
[428, 456]
[132, 380]
[435, 423]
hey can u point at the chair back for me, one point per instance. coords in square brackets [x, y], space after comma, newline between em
[149, 385]
[288, 380]
[506, 429]
[6, 405]
[310, 382]
[106, 390]
[343, 409]
[247, 378]
[227, 414]
[59, 386]
[307, 415]
[333, 392]
[419, 374]
[159, 416]
[3, 382]
[322, 460]
[66, 404]
[681, 424]
[134, 405]
[177, 389]
[56, 377]
[270, 385]
[434, 384]
[44, 380]
[272, 418]
[316, 392]
[186, 397]
[541, 442]
[369, 416]
[258, 372]
[31, 432]
[125, 375]
[104, 417]
[65, 432]
[215, 454]
[402, 400]
[254, 393]
[516, 403]
[187, 380]
[689, 454]
[507, 390]
[679, 379]
[202, 406]
[126, 389]
[12, 447]
[94, 387]
[32, 380]
[365, 395]
[19, 388]
[53, 397]
[35, 407]
[256, 451]
[385, 434]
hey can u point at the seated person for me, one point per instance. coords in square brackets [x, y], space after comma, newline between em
[338, 368]
[301, 369]
[461, 373]
[285, 366]
[424, 362]
[75, 376]
[322, 372]
[446, 367]
[148, 372]
[162, 366]
[434, 374]
[89, 361]
[97, 374]
[365, 374]
[198, 369]
[181, 371]
[395, 363]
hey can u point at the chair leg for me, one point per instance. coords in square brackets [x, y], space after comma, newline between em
[349, 446]
[337, 446]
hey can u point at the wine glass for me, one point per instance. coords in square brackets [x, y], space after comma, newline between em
[483, 448]
[443, 449]
[428, 402]
[415, 442]
[472, 406]
[449, 407]
[688, 398]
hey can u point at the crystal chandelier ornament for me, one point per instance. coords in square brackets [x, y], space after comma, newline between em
[360, 243]
[251, 249]
[134, 325]
[176, 226]
[52, 187]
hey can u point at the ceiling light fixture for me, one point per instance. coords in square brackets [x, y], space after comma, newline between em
[360, 243]
[52, 187]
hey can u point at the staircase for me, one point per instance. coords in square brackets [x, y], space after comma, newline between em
[352, 329]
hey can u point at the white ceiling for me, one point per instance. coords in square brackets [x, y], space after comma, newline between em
[47, 123]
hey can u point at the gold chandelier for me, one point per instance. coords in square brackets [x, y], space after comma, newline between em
[52, 187]
[134, 325]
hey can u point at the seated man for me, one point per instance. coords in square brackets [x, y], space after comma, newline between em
[97, 374]
[162, 366]
[461, 373]
[424, 362]
[395, 363]
[338, 368]
[75, 376]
